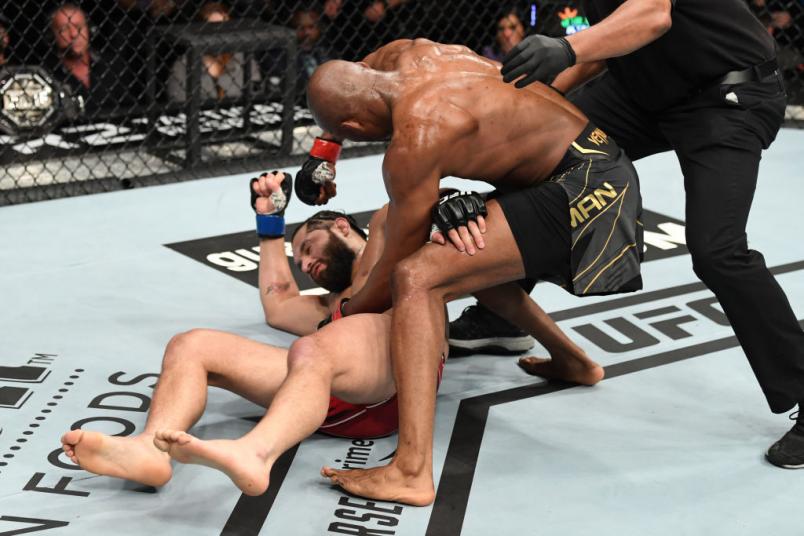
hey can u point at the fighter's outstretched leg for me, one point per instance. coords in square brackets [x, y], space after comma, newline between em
[192, 360]
[567, 362]
[332, 361]
[421, 285]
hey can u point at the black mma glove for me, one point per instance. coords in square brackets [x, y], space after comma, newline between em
[539, 57]
[456, 209]
[273, 225]
[317, 170]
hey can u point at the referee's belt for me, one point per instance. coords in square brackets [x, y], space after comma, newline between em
[757, 73]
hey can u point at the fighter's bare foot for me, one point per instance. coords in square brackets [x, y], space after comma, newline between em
[387, 483]
[583, 371]
[244, 464]
[132, 458]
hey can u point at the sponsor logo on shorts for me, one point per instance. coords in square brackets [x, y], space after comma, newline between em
[592, 204]
[598, 137]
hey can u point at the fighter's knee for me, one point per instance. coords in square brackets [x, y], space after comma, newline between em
[184, 346]
[413, 275]
[308, 352]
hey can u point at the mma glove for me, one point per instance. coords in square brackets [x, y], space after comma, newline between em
[272, 225]
[318, 169]
[334, 316]
[538, 57]
[456, 209]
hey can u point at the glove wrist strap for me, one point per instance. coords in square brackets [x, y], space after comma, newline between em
[326, 150]
[270, 226]
[339, 312]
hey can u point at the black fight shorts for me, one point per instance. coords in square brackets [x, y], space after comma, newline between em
[581, 227]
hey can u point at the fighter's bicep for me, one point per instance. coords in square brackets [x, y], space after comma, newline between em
[300, 315]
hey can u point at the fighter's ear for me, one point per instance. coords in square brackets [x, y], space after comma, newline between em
[342, 227]
[351, 125]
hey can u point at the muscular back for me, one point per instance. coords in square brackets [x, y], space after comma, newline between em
[455, 107]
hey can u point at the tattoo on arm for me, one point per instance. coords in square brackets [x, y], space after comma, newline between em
[277, 288]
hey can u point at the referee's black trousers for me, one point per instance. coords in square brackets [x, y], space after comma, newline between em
[718, 137]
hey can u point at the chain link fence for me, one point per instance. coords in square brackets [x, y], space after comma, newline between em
[110, 94]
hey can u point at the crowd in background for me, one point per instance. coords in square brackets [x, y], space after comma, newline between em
[98, 48]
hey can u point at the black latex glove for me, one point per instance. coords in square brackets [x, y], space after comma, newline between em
[538, 57]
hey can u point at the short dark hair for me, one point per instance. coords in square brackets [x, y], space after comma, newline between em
[323, 220]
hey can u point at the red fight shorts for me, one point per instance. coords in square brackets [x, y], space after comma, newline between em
[364, 421]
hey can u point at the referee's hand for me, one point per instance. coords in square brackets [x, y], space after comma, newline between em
[538, 58]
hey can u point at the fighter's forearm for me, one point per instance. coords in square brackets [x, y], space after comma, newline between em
[631, 26]
[375, 296]
[577, 75]
[275, 278]
[374, 248]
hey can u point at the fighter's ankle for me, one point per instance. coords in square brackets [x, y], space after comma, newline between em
[259, 448]
[413, 466]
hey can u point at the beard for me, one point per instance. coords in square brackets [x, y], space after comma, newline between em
[337, 276]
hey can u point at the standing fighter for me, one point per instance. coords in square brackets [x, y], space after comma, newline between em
[568, 213]
[700, 79]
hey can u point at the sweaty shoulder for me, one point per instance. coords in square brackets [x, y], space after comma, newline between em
[386, 57]
[428, 121]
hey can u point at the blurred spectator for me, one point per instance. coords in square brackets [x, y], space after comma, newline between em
[5, 40]
[510, 31]
[781, 18]
[104, 81]
[331, 10]
[222, 75]
[313, 50]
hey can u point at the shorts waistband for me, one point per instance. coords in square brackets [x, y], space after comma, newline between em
[591, 144]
